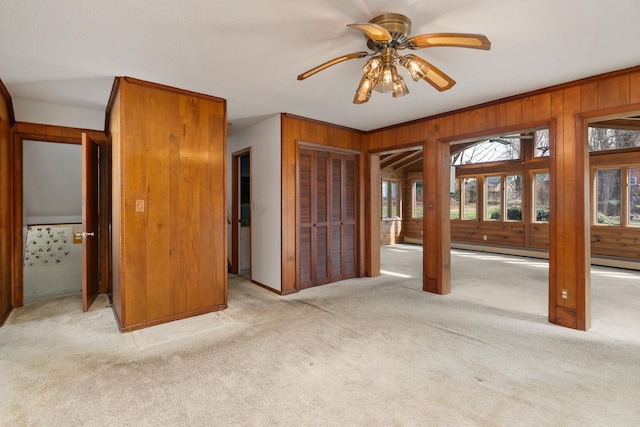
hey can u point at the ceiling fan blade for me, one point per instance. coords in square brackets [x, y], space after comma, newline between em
[434, 76]
[375, 32]
[328, 64]
[473, 41]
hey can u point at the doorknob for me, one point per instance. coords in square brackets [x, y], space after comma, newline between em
[80, 235]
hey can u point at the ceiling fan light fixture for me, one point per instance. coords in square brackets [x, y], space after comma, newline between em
[387, 34]
[400, 88]
[389, 74]
[372, 68]
[416, 69]
[364, 90]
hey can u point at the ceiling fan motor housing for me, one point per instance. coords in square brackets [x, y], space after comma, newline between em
[398, 25]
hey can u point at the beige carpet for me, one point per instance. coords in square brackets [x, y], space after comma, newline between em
[359, 352]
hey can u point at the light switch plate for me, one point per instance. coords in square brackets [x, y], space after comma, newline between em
[139, 205]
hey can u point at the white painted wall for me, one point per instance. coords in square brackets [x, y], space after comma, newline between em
[52, 178]
[26, 110]
[264, 140]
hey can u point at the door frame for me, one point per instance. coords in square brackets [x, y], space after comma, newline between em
[374, 192]
[235, 211]
[104, 212]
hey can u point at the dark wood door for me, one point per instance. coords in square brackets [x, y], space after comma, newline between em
[327, 218]
[350, 218]
[89, 221]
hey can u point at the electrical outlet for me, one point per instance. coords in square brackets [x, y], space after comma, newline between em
[485, 237]
[565, 294]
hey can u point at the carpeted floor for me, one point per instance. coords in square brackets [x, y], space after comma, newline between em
[359, 352]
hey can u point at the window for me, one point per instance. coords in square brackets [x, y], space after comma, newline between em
[633, 201]
[541, 197]
[513, 197]
[390, 202]
[469, 199]
[541, 138]
[603, 139]
[493, 198]
[608, 191]
[490, 150]
[418, 200]
[454, 201]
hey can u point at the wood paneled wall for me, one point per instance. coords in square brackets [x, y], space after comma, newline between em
[294, 130]
[6, 225]
[565, 109]
[169, 205]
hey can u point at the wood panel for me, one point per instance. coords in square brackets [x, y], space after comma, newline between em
[298, 129]
[615, 242]
[539, 236]
[613, 91]
[6, 206]
[569, 286]
[115, 140]
[170, 158]
[391, 231]
[497, 233]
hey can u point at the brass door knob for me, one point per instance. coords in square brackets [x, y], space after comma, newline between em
[80, 235]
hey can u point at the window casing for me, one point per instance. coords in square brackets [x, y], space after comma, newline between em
[390, 199]
[469, 198]
[417, 196]
[513, 197]
[493, 198]
[454, 201]
[633, 196]
[541, 138]
[541, 197]
[608, 196]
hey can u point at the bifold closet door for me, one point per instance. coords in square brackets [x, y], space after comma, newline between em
[327, 221]
[343, 217]
[349, 217]
[313, 256]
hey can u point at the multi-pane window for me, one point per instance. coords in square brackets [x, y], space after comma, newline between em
[633, 198]
[417, 192]
[493, 198]
[541, 197]
[604, 139]
[454, 201]
[490, 150]
[608, 192]
[469, 198]
[390, 200]
[541, 138]
[513, 197]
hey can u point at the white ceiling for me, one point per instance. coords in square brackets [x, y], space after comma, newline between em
[250, 52]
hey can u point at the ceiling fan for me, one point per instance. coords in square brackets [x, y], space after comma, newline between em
[386, 35]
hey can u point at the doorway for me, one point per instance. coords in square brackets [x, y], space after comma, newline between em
[52, 212]
[241, 214]
[398, 191]
[65, 237]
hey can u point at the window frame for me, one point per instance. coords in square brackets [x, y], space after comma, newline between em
[389, 204]
[533, 196]
[463, 193]
[414, 199]
[485, 191]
